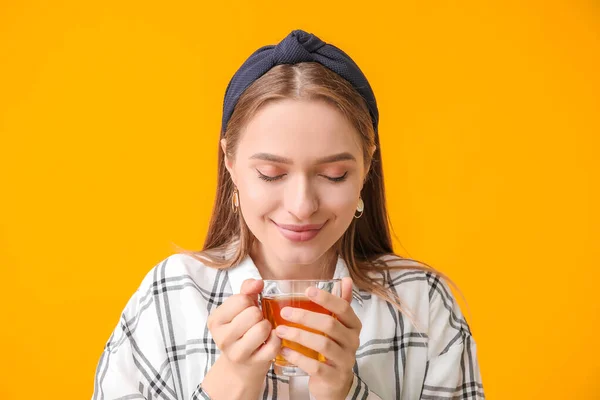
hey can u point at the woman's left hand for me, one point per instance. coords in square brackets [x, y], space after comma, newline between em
[330, 380]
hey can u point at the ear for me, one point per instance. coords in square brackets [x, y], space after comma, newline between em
[368, 167]
[364, 180]
[228, 161]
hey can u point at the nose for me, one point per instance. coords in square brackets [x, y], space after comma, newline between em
[301, 199]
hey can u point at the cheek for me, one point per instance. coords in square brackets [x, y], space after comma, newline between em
[256, 197]
[342, 202]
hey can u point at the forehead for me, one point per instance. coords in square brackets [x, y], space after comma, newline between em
[299, 129]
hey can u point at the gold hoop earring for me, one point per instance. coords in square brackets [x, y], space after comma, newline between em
[235, 201]
[360, 208]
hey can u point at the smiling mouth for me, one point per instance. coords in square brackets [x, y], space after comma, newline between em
[299, 233]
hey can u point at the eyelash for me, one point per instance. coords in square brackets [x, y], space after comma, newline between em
[274, 178]
[268, 178]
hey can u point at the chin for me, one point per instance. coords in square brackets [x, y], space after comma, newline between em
[299, 255]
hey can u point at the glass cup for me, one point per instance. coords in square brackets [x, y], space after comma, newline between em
[278, 294]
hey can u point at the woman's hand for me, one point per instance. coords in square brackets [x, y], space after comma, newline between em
[239, 329]
[331, 379]
[247, 342]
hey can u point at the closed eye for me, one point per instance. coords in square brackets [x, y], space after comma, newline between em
[337, 178]
[268, 178]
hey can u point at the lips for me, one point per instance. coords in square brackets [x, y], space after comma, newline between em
[299, 233]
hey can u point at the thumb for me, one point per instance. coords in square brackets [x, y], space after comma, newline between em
[347, 289]
[251, 287]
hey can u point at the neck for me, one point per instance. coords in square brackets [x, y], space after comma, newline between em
[272, 268]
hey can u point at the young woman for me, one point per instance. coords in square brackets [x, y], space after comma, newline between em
[300, 195]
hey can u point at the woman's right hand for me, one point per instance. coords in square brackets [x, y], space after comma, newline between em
[239, 329]
[247, 343]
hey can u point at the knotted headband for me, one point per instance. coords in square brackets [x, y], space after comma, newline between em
[299, 46]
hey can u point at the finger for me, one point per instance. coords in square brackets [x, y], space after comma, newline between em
[309, 365]
[347, 289]
[269, 349]
[321, 323]
[240, 324]
[340, 307]
[322, 344]
[252, 287]
[227, 311]
[240, 350]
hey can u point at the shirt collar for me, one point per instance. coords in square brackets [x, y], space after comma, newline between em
[238, 274]
[246, 269]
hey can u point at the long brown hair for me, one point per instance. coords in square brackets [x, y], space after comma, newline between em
[367, 240]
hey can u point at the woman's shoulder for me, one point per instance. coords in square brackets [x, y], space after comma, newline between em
[410, 276]
[178, 269]
[442, 303]
[178, 280]
[396, 271]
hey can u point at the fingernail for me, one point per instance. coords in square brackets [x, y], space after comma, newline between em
[286, 312]
[285, 352]
[281, 330]
[312, 291]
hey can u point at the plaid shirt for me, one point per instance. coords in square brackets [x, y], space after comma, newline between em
[162, 348]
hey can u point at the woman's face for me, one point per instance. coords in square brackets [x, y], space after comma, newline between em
[299, 170]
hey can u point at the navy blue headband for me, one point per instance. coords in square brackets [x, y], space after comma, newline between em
[299, 46]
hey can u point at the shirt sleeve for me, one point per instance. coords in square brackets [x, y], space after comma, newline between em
[360, 391]
[134, 364]
[452, 368]
[200, 394]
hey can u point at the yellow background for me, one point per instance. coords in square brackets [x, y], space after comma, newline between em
[109, 120]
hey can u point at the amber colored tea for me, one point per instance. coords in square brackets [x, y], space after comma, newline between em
[272, 307]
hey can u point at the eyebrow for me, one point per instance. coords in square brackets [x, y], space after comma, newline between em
[323, 160]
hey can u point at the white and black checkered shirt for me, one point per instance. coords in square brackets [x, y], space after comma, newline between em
[162, 348]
